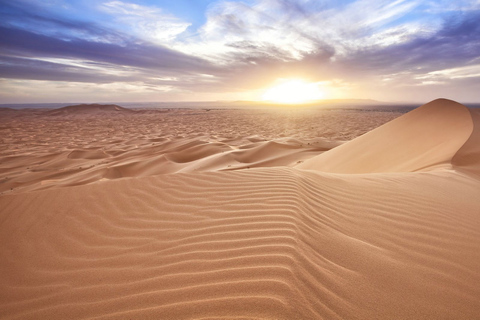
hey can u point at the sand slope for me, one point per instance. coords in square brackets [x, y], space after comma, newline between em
[423, 139]
[468, 156]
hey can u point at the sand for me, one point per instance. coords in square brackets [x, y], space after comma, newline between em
[236, 214]
[86, 143]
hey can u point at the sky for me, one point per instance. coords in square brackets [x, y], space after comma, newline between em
[210, 50]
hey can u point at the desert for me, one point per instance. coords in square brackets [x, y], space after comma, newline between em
[295, 213]
[240, 159]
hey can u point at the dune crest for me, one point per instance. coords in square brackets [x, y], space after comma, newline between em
[423, 139]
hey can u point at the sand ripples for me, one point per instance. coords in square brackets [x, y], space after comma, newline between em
[241, 244]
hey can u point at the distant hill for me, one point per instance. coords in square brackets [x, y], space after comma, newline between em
[90, 109]
[5, 109]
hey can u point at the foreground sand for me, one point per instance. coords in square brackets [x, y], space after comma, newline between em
[316, 236]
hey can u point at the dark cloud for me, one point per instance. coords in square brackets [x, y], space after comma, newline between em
[462, 25]
[26, 15]
[29, 31]
[143, 55]
[456, 44]
[32, 69]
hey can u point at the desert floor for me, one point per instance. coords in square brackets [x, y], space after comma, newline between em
[110, 213]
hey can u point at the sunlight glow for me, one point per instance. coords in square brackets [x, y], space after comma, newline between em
[292, 91]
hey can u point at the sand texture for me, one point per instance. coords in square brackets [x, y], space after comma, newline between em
[234, 214]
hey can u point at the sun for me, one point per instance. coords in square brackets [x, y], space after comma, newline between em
[291, 91]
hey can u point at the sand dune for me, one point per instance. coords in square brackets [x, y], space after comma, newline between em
[40, 151]
[89, 109]
[423, 139]
[220, 223]
[6, 109]
[87, 154]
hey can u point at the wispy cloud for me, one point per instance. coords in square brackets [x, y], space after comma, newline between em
[43, 46]
[149, 23]
[456, 43]
[132, 53]
[472, 71]
[288, 30]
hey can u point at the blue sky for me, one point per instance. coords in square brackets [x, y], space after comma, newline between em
[187, 50]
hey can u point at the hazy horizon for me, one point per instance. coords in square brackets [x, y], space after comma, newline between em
[217, 104]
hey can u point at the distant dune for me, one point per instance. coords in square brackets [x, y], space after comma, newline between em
[89, 109]
[6, 109]
[241, 214]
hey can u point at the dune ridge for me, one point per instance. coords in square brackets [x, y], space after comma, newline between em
[423, 139]
[468, 156]
[282, 240]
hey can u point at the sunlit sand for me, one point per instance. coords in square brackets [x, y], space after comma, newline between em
[112, 213]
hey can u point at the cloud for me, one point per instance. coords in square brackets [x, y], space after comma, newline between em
[258, 41]
[31, 16]
[34, 91]
[457, 43]
[34, 69]
[448, 6]
[149, 23]
[471, 71]
[292, 30]
[231, 24]
[16, 42]
[36, 44]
